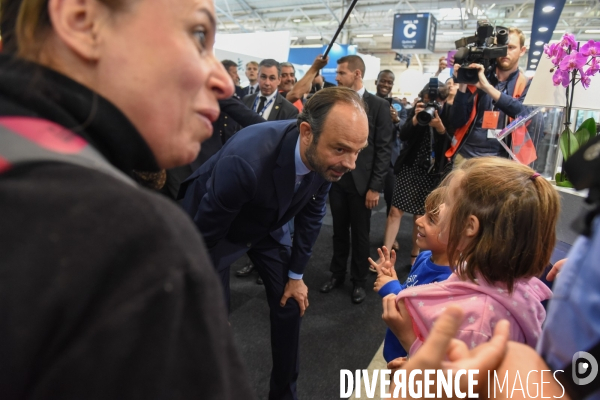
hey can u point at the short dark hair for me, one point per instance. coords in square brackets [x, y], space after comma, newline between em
[385, 71]
[317, 108]
[354, 63]
[442, 92]
[228, 64]
[269, 62]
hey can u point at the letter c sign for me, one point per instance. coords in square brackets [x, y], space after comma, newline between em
[410, 31]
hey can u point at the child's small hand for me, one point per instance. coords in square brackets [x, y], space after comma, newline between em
[386, 262]
[398, 320]
[382, 280]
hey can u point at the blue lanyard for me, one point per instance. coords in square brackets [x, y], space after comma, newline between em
[264, 108]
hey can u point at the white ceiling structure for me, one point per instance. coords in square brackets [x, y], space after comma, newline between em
[314, 22]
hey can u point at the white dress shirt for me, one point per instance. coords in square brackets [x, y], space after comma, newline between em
[267, 112]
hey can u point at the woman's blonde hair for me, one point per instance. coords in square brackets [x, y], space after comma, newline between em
[517, 212]
[33, 26]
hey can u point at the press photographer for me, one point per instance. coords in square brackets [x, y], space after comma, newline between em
[495, 95]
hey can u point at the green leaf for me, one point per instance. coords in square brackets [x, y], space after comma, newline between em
[566, 139]
[564, 183]
[588, 125]
[582, 136]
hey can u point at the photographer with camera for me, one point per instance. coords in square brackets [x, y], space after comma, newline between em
[491, 91]
[421, 163]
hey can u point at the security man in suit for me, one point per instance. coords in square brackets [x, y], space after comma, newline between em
[243, 197]
[354, 196]
[268, 102]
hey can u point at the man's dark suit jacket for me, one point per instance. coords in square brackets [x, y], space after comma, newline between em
[373, 162]
[282, 109]
[246, 192]
[234, 116]
[247, 90]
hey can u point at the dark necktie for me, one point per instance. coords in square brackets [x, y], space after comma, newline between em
[251, 89]
[261, 104]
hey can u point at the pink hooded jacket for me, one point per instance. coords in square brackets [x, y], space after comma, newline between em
[483, 305]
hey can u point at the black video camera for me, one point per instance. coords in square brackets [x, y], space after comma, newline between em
[424, 117]
[484, 48]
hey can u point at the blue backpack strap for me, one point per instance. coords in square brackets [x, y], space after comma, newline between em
[26, 140]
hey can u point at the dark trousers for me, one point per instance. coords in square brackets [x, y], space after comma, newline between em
[271, 259]
[349, 216]
[388, 189]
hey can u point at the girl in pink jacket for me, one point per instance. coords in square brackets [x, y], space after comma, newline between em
[499, 221]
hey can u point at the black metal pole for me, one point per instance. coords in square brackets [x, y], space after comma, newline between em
[340, 28]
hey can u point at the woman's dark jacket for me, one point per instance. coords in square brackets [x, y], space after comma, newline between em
[106, 289]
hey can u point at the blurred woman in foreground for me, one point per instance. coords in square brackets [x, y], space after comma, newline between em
[106, 289]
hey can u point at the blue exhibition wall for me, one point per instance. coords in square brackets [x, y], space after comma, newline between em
[306, 55]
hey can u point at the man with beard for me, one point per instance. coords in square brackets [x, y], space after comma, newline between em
[242, 198]
[497, 99]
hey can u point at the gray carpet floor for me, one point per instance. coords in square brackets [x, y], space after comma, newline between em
[336, 334]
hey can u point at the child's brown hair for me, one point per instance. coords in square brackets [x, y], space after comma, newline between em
[435, 199]
[517, 212]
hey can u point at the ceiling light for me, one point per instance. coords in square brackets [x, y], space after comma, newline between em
[548, 9]
[297, 20]
[539, 43]
[592, 31]
[365, 36]
[388, 34]
[536, 53]
[314, 37]
[534, 60]
[294, 38]
[529, 73]
[542, 29]
[532, 66]
[526, 31]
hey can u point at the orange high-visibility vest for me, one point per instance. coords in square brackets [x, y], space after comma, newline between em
[520, 137]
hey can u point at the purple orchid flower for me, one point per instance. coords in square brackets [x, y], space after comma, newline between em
[559, 56]
[594, 67]
[591, 48]
[567, 40]
[573, 61]
[561, 77]
[585, 79]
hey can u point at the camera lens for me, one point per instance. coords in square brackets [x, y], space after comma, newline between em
[425, 116]
[501, 36]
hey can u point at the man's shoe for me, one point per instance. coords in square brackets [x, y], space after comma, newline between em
[358, 295]
[245, 270]
[331, 284]
[259, 281]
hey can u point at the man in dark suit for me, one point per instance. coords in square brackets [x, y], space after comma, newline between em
[232, 70]
[234, 115]
[268, 102]
[244, 196]
[353, 197]
[252, 75]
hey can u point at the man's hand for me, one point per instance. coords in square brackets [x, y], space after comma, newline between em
[436, 123]
[441, 345]
[299, 291]
[483, 82]
[397, 318]
[555, 269]
[372, 199]
[394, 115]
[320, 62]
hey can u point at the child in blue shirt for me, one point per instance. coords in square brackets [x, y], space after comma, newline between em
[430, 266]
